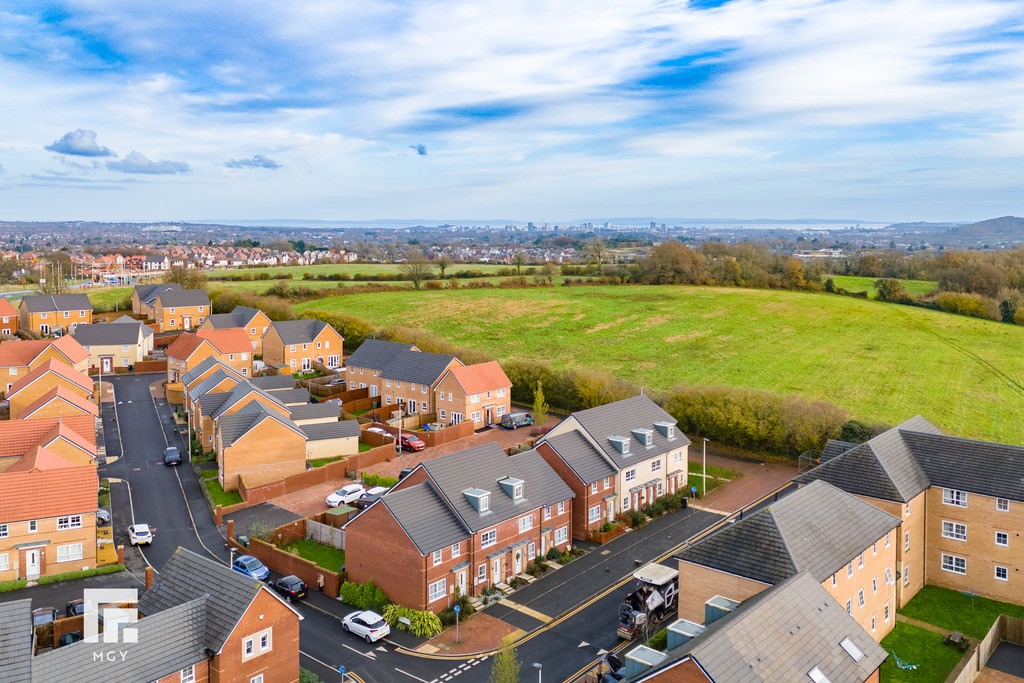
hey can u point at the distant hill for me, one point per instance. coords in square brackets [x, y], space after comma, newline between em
[994, 233]
[1008, 226]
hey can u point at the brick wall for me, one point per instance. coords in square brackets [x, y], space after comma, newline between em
[286, 563]
[869, 578]
[376, 547]
[280, 664]
[151, 366]
[579, 502]
[698, 584]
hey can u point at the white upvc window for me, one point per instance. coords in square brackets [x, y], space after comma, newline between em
[456, 549]
[437, 590]
[71, 522]
[561, 508]
[1002, 573]
[5, 562]
[561, 535]
[474, 398]
[188, 674]
[3, 530]
[656, 465]
[885, 614]
[849, 606]
[906, 541]
[594, 514]
[1002, 539]
[292, 349]
[501, 392]
[124, 348]
[630, 475]
[438, 556]
[954, 497]
[849, 570]
[860, 598]
[906, 575]
[1002, 504]
[526, 523]
[488, 538]
[874, 586]
[481, 573]
[547, 515]
[257, 644]
[33, 526]
[954, 530]
[953, 563]
[69, 553]
[889, 578]
[593, 487]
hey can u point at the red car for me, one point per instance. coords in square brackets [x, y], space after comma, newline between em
[411, 442]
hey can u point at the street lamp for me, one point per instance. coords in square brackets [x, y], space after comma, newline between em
[539, 667]
[705, 458]
[401, 414]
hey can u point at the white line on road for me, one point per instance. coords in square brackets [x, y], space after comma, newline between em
[368, 655]
[410, 675]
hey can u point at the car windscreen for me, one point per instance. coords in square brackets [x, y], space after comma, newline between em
[376, 624]
[252, 563]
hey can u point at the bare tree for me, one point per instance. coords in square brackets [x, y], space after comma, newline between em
[188, 278]
[442, 264]
[595, 251]
[517, 259]
[416, 268]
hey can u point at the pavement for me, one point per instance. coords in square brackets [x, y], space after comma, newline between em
[1006, 665]
[757, 479]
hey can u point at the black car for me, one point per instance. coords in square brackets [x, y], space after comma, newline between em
[43, 615]
[291, 587]
[516, 420]
[75, 608]
[172, 456]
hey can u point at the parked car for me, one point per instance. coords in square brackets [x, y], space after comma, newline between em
[75, 608]
[172, 456]
[370, 497]
[368, 625]
[250, 566]
[43, 615]
[378, 430]
[336, 381]
[411, 442]
[102, 517]
[140, 534]
[291, 587]
[516, 420]
[348, 493]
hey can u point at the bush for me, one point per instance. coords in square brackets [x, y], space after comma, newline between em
[855, 431]
[260, 530]
[307, 676]
[370, 480]
[553, 554]
[355, 330]
[12, 585]
[972, 305]
[67, 576]
[636, 518]
[422, 624]
[659, 641]
[606, 527]
[364, 596]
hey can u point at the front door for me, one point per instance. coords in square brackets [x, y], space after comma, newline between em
[106, 364]
[611, 510]
[32, 559]
[496, 574]
[44, 330]
[460, 582]
[487, 416]
[519, 562]
[186, 322]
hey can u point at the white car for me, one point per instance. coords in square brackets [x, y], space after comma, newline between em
[368, 625]
[345, 495]
[378, 430]
[140, 534]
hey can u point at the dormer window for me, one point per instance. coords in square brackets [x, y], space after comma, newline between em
[667, 429]
[513, 488]
[620, 443]
[644, 436]
[517, 491]
[479, 499]
[485, 503]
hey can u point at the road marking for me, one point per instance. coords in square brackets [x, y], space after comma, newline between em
[526, 610]
[583, 643]
[368, 655]
[602, 652]
[410, 675]
[324, 664]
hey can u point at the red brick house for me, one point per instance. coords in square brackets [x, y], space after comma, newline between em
[463, 521]
[481, 393]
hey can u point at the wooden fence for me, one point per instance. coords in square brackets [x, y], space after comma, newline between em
[1005, 628]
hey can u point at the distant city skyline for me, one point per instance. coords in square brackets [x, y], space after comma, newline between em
[894, 111]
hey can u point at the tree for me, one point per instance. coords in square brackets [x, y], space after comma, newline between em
[891, 290]
[595, 252]
[188, 278]
[518, 258]
[416, 269]
[442, 264]
[540, 408]
[672, 263]
[506, 665]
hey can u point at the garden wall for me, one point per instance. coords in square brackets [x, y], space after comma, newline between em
[286, 563]
[151, 366]
[1005, 628]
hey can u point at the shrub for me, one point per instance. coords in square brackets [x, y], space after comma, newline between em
[364, 596]
[606, 527]
[260, 530]
[54, 578]
[855, 431]
[659, 641]
[553, 554]
[370, 480]
[422, 624]
[972, 305]
[12, 585]
[433, 284]
[636, 518]
[307, 676]
[355, 330]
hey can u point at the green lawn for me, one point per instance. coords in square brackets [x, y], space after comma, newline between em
[106, 296]
[721, 472]
[867, 284]
[956, 611]
[882, 362]
[917, 646]
[219, 495]
[325, 556]
[297, 272]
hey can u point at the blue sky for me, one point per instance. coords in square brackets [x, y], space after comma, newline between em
[889, 110]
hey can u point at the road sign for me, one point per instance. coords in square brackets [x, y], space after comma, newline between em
[458, 609]
[693, 490]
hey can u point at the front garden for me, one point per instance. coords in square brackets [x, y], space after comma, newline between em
[217, 492]
[326, 556]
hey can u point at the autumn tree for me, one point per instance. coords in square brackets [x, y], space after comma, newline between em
[415, 268]
[188, 278]
[672, 263]
[595, 251]
[505, 666]
[442, 264]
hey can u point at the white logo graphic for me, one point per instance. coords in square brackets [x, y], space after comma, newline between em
[106, 605]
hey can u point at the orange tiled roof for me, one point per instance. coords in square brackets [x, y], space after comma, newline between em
[74, 399]
[21, 352]
[476, 379]
[51, 493]
[39, 459]
[7, 310]
[185, 345]
[70, 347]
[56, 367]
[228, 340]
[18, 436]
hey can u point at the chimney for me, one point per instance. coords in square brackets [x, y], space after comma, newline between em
[149, 577]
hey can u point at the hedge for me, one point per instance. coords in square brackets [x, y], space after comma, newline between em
[67, 576]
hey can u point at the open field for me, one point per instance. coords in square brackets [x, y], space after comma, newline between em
[880, 361]
[867, 284]
[365, 268]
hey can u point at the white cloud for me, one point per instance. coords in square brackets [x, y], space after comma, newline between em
[136, 162]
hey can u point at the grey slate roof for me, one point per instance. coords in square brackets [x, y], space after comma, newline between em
[781, 635]
[168, 641]
[315, 411]
[482, 467]
[106, 334]
[210, 382]
[274, 382]
[222, 321]
[375, 354]
[147, 293]
[239, 392]
[147, 331]
[302, 331]
[427, 520]
[581, 456]
[188, 576]
[183, 297]
[331, 430]
[990, 469]
[620, 419]
[297, 395]
[16, 633]
[419, 367]
[207, 363]
[45, 303]
[233, 427]
[835, 447]
[817, 528]
[210, 403]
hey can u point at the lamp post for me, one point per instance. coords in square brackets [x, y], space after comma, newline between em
[704, 489]
[539, 671]
[401, 414]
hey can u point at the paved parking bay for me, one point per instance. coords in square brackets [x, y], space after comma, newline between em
[263, 512]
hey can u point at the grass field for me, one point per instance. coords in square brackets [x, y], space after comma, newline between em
[956, 611]
[880, 361]
[917, 646]
[867, 284]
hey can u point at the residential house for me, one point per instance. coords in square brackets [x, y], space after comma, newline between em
[960, 501]
[72, 438]
[847, 545]
[8, 318]
[49, 382]
[199, 622]
[180, 309]
[411, 378]
[231, 347]
[315, 413]
[794, 631]
[48, 314]
[331, 439]
[291, 346]
[481, 393]
[19, 357]
[47, 516]
[212, 405]
[254, 321]
[364, 365]
[144, 297]
[465, 521]
[200, 373]
[616, 457]
[119, 344]
[156, 264]
[258, 445]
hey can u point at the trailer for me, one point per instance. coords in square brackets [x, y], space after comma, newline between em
[654, 596]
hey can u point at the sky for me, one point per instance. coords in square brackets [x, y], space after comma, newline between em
[541, 110]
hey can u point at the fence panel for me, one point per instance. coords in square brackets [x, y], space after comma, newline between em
[327, 535]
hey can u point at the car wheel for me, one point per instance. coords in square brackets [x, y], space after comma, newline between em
[344, 627]
[368, 638]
